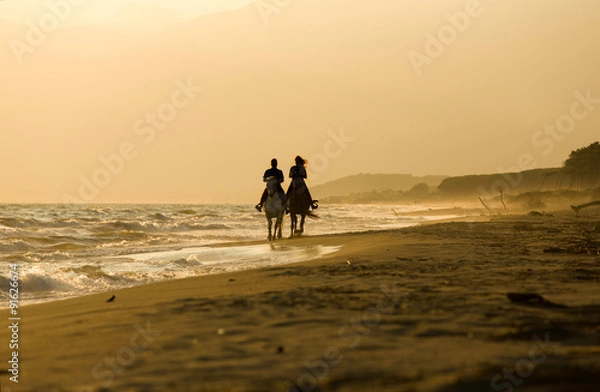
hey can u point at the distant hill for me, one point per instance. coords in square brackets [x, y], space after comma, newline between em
[537, 180]
[490, 185]
[578, 178]
[368, 182]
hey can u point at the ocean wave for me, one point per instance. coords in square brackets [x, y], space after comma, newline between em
[54, 255]
[159, 217]
[208, 226]
[33, 283]
[19, 223]
[97, 211]
[187, 262]
[157, 227]
[15, 245]
[6, 228]
[79, 280]
[33, 223]
[208, 215]
[38, 243]
[92, 272]
[130, 211]
[130, 226]
[62, 246]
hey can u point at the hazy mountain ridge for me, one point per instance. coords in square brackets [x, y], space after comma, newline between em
[490, 185]
[577, 179]
[580, 172]
[359, 183]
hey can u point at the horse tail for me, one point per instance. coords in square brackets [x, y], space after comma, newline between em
[312, 215]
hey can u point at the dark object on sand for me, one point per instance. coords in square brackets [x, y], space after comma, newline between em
[111, 299]
[280, 350]
[485, 205]
[532, 299]
[582, 206]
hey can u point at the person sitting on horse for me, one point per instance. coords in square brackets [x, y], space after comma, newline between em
[298, 175]
[278, 174]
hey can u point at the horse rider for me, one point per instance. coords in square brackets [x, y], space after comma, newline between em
[298, 175]
[272, 172]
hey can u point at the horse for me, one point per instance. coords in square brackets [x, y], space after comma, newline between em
[299, 204]
[274, 207]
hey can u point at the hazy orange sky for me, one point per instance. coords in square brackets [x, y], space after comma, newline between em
[187, 101]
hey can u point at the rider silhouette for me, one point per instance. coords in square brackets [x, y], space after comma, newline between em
[272, 172]
[298, 175]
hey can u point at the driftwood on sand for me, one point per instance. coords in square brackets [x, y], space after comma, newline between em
[489, 209]
[582, 206]
[485, 205]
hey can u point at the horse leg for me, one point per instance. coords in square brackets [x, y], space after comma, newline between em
[302, 223]
[301, 230]
[270, 225]
[293, 224]
[278, 226]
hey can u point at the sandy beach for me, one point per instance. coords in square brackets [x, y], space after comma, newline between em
[418, 309]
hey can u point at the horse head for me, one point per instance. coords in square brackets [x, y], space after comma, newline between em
[272, 183]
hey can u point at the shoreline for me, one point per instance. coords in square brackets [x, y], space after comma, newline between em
[423, 308]
[51, 297]
[321, 240]
[473, 215]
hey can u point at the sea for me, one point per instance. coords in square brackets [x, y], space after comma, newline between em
[63, 251]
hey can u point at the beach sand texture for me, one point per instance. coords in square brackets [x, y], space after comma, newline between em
[417, 309]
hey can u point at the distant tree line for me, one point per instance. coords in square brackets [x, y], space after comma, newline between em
[582, 168]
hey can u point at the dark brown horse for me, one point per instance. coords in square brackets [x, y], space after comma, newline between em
[299, 204]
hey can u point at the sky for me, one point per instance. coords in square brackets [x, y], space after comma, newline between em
[107, 11]
[118, 101]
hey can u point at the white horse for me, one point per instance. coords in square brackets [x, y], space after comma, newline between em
[274, 207]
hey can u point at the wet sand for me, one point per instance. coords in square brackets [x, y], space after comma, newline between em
[418, 309]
